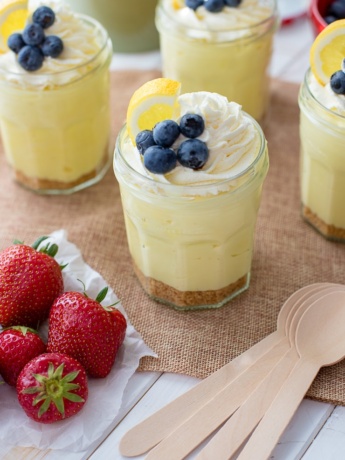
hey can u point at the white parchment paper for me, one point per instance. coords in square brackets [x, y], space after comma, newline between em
[79, 432]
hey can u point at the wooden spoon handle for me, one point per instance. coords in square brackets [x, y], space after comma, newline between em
[152, 430]
[198, 427]
[236, 430]
[271, 427]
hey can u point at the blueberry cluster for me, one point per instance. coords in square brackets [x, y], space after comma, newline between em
[337, 81]
[32, 45]
[156, 145]
[214, 6]
[335, 11]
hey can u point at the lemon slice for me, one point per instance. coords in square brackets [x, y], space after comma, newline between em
[155, 101]
[328, 51]
[13, 15]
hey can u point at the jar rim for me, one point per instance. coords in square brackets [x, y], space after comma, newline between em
[272, 17]
[97, 26]
[316, 101]
[193, 188]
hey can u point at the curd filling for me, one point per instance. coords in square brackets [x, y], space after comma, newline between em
[55, 120]
[193, 230]
[226, 52]
[322, 158]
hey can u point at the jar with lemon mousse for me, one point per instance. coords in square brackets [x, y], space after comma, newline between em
[322, 134]
[190, 189]
[224, 49]
[55, 109]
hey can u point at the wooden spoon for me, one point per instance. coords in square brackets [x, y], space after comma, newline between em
[219, 408]
[320, 341]
[236, 430]
[158, 426]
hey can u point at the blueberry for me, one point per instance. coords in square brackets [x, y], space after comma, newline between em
[33, 34]
[44, 16]
[233, 3]
[194, 4]
[144, 140]
[329, 19]
[159, 160]
[15, 42]
[166, 132]
[30, 57]
[192, 153]
[337, 82]
[337, 9]
[214, 6]
[192, 125]
[52, 46]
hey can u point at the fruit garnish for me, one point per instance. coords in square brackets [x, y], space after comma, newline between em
[32, 45]
[52, 387]
[13, 15]
[328, 51]
[337, 82]
[192, 153]
[153, 102]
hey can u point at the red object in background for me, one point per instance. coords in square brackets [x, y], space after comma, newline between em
[316, 11]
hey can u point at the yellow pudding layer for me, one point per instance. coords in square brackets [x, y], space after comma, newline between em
[322, 134]
[57, 134]
[227, 53]
[198, 244]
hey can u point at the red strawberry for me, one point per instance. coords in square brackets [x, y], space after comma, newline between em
[18, 345]
[81, 327]
[52, 387]
[30, 280]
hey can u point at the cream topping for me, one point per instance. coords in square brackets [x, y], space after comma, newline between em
[326, 96]
[231, 137]
[81, 44]
[248, 13]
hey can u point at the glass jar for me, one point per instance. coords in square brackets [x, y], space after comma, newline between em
[322, 165]
[232, 62]
[55, 127]
[191, 246]
[130, 23]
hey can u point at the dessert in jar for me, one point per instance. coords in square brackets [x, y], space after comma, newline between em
[130, 23]
[322, 134]
[191, 169]
[54, 99]
[221, 46]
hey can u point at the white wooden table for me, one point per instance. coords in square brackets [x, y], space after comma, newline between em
[317, 431]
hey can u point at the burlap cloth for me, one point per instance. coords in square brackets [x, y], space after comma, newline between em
[288, 253]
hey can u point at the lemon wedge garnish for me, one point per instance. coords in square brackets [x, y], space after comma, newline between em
[153, 102]
[13, 15]
[328, 51]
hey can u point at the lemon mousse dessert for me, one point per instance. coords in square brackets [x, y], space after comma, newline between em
[54, 99]
[190, 169]
[322, 134]
[221, 46]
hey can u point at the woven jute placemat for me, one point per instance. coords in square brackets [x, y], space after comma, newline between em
[288, 253]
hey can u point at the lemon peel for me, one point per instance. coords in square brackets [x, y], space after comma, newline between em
[328, 51]
[154, 101]
[13, 16]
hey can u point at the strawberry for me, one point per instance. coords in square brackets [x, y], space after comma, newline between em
[30, 280]
[18, 345]
[52, 387]
[81, 327]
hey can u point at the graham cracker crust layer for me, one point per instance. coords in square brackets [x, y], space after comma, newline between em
[35, 183]
[186, 300]
[329, 231]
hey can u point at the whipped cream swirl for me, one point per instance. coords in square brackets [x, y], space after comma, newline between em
[81, 44]
[231, 137]
[248, 13]
[326, 96]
